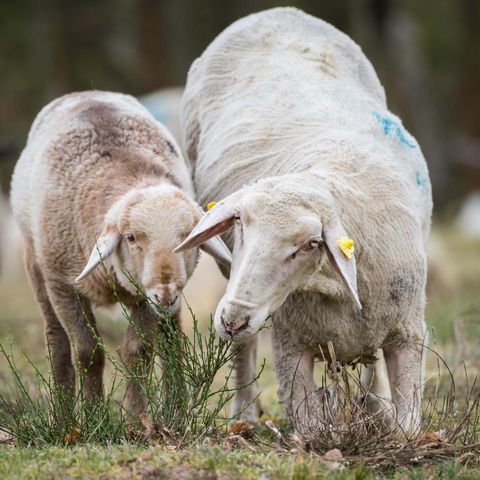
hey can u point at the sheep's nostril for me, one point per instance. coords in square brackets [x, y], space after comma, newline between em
[165, 300]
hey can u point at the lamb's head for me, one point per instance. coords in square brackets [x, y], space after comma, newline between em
[283, 235]
[137, 239]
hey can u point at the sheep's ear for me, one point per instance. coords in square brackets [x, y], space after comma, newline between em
[104, 247]
[344, 266]
[214, 222]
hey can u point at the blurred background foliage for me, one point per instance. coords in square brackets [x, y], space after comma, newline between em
[425, 52]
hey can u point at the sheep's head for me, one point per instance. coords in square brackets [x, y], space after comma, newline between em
[282, 237]
[139, 234]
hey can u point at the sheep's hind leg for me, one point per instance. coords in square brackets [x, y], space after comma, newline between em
[75, 315]
[376, 386]
[246, 404]
[405, 371]
[57, 340]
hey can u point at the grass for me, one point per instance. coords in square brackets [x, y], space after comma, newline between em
[184, 405]
[126, 462]
[105, 450]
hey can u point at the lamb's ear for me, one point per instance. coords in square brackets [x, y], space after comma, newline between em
[214, 222]
[104, 247]
[344, 266]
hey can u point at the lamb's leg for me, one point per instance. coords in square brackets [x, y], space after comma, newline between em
[375, 382]
[246, 405]
[137, 356]
[58, 342]
[405, 371]
[75, 315]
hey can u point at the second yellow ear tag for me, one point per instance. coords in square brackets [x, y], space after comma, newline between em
[211, 205]
[347, 246]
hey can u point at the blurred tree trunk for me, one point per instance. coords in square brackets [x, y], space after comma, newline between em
[468, 99]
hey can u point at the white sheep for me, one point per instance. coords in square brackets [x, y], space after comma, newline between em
[99, 179]
[285, 120]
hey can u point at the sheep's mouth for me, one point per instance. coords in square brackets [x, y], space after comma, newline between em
[239, 335]
[240, 330]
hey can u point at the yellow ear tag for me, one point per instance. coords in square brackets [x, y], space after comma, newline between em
[347, 246]
[211, 205]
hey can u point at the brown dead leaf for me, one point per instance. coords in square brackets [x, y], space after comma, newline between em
[242, 428]
[432, 439]
[154, 431]
[148, 426]
[73, 436]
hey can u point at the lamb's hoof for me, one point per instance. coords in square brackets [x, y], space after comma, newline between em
[250, 413]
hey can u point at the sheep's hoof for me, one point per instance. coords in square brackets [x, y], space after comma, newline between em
[381, 410]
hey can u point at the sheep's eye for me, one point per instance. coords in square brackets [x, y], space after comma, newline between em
[311, 245]
[236, 217]
[308, 247]
[130, 237]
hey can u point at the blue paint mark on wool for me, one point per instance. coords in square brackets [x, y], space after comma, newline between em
[422, 180]
[389, 126]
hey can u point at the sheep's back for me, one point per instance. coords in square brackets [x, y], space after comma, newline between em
[280, 92]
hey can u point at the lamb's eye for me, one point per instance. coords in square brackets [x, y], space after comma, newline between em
[236, 217]
[130, 237]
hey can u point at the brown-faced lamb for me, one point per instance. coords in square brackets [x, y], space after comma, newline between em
[102, 195]
[325, 201]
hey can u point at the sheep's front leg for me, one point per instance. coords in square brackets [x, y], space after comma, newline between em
[246, 405]
[137, 356]
[294, 368]
[75, 315]
[405, 371]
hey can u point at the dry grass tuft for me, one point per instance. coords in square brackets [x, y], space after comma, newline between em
[339, 422]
